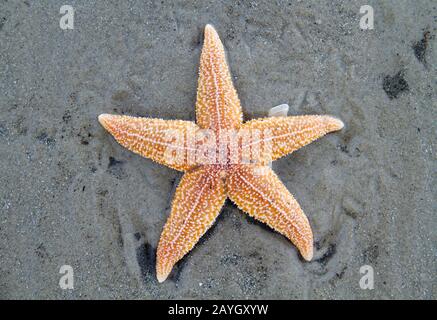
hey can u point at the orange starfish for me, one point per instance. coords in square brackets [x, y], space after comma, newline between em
[207, 180]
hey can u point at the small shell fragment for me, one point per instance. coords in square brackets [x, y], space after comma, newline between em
[279, 111]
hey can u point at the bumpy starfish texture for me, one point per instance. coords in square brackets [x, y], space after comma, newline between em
[252, 185]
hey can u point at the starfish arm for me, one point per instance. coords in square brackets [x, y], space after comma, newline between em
[163, 141]
[197, 202]
[283, 135]
[259, 192]
[217, 104]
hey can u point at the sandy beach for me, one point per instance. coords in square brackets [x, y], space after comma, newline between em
[70, 195]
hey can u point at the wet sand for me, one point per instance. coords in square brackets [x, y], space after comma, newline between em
[70, 195]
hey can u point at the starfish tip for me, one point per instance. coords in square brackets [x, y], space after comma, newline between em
[210, 31]
[104, 119]
[339, 123]
[209, 27]
[308, 256]
[161, 277]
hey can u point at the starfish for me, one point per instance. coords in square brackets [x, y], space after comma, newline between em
[213, 171]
